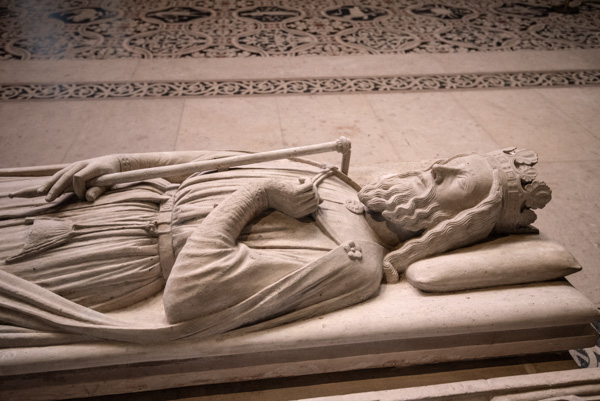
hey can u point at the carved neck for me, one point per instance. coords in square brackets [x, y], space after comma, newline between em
[391, 234]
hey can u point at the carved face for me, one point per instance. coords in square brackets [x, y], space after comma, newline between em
[419, 200]
[461, 183]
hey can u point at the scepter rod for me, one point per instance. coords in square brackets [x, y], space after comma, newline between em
[341, 145]
[32, 171]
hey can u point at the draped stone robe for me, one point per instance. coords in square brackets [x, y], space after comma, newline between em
[111, 254]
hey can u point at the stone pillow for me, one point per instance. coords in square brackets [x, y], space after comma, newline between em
[515, 259]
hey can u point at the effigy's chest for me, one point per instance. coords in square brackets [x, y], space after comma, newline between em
[332, 225]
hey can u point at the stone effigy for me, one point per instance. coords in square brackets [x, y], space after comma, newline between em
[251, 248]
[218, 283]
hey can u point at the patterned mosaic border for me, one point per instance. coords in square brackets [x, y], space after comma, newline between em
[109, 29]
[112, 90]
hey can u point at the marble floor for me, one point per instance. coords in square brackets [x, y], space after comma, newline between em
[535, 87]
[107, 29]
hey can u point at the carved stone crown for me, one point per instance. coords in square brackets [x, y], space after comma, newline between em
[520, 192]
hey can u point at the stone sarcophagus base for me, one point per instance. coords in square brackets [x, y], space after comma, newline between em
[401, 326]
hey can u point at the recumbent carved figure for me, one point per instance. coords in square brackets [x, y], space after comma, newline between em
[271, 242]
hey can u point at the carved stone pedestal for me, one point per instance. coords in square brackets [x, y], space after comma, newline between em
[399, 327]
[570, 385]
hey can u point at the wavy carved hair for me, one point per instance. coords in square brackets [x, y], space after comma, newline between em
[466, 228]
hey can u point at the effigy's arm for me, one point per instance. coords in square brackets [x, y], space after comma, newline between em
[230, 217]
[75, 176]
[211, 256]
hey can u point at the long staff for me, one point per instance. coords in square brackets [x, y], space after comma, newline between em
[341, 145]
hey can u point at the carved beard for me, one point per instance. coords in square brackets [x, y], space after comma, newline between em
[401, 201]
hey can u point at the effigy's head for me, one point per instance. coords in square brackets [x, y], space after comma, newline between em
[421, 199]
[461, 200]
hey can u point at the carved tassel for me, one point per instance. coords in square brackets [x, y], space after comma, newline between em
[44, 234]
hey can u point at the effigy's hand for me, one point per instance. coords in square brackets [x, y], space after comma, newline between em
[295, 200]
[76, 176]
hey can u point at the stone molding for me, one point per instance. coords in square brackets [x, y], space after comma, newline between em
[293, 86]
